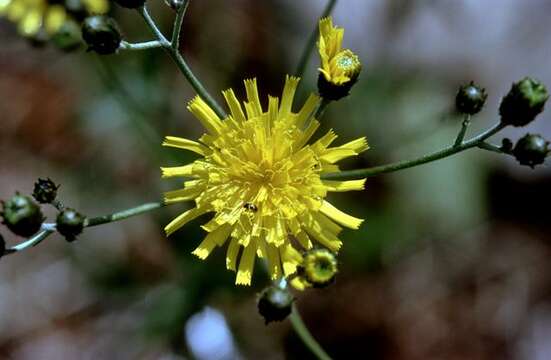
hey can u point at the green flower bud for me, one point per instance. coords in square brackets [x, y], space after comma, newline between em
[130, 4]
[470, 99]
[531, 150]
[68, 37]
[274, 304]
[101, 33]
[2, 246]
[22, 215]
[319, 267]
[45, 191]
[523, 103]
[70, 223]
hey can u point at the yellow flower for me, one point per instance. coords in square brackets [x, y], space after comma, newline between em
[262, 181]
[338, 65]
[33, 15]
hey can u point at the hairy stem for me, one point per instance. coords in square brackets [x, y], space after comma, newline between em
[307, 52]
[305, 335]
[400, 165]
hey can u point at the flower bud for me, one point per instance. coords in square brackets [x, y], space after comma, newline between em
[2, 246]
[531, 150]
[319, 267]
[68, 37]
[507, 145]
[130, 4]
[22, 215]
[523, 103]
[101, 33]
[274, 303]
[470, 99]
[343, 73]
[70, 223]
[45, 191]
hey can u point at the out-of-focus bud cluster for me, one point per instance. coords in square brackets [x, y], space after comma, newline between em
[51, 21]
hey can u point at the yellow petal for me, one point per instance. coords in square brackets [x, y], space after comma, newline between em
[213, 239]
[181, 143]
[208, 118]
[246, 265]
[340, 217]
[231, 255]
[182, 219]
[185, 170]
[341, 186]
[254, 109]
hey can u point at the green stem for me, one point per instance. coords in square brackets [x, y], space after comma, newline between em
[463, 131]
[400, 165]
[153, 44]
[307, 52]
[177, 29]
[124, 214]
[305, 335]
[181, 63]
[33, 241]
[491, 147]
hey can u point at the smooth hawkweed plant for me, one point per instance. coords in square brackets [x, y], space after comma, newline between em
[259, 174]
[261, 178]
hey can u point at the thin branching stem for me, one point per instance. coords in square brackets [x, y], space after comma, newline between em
[49, 228]
[310, 44]
[174, 53]
[400, 165]
[305, 335]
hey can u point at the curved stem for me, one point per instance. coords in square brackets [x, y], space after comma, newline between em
[400, 165]
[307, 52]
[174, 53]
[305, 335]
[33, 241]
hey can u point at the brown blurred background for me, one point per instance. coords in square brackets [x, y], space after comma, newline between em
[453, 261]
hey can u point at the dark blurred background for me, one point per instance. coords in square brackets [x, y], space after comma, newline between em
[452, 261]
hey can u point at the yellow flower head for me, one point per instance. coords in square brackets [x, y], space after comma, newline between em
[338, 65]
[33, 15]
[262, 180]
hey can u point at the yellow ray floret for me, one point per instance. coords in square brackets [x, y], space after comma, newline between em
[262, 182]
